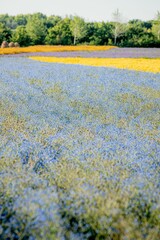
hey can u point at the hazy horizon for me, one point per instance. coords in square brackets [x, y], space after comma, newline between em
[99, 10]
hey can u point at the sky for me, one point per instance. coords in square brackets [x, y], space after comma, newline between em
[90, 10]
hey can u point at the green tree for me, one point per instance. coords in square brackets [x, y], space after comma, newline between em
[5, 33]
[60, 33]
[156, 26]
[90, 30]
[99, 33]
[138, 34]
[52, 20]
[36, 29]
[78, 28]
[20, 35]
[1, 33]
[21, 20]
[8, 21]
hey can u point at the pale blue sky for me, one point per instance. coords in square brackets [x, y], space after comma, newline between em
[91, 10]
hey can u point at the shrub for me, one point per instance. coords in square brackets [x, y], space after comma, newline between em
[16, 44]
[11, 44]
[4, 44]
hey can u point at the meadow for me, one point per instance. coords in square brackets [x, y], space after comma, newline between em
[79, 149]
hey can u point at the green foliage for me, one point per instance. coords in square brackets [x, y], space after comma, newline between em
[138, 34]
[60, 33]
[156, 31]
[52, 20]
[20, 35]
[156, 27]
[36, 29]
[99, 33]
[8, 21]
[5, 33]
[21, 19]
[78, 28]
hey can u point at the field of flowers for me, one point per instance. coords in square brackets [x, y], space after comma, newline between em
[79, 151]
[83, 51]
[43, 49]
[138, 64]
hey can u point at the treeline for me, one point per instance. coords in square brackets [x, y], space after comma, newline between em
[39, 29]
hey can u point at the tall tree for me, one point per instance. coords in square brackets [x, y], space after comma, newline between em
[99, 33]
[156, 26]
[21, 20]
[20, 35]
[119, 27]
[5, 33]
[8, 21]
[36, 29]
[78, 28]
[138, 34]
[52, 20]
[60, 33]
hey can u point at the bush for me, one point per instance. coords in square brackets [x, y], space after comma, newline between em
[11, 44]
[16, 44]
[4, 44]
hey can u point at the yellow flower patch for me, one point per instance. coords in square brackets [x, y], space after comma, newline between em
[138, 64]
[52, 49]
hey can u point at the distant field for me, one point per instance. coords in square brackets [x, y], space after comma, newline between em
[79, 149]
[83, 51]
